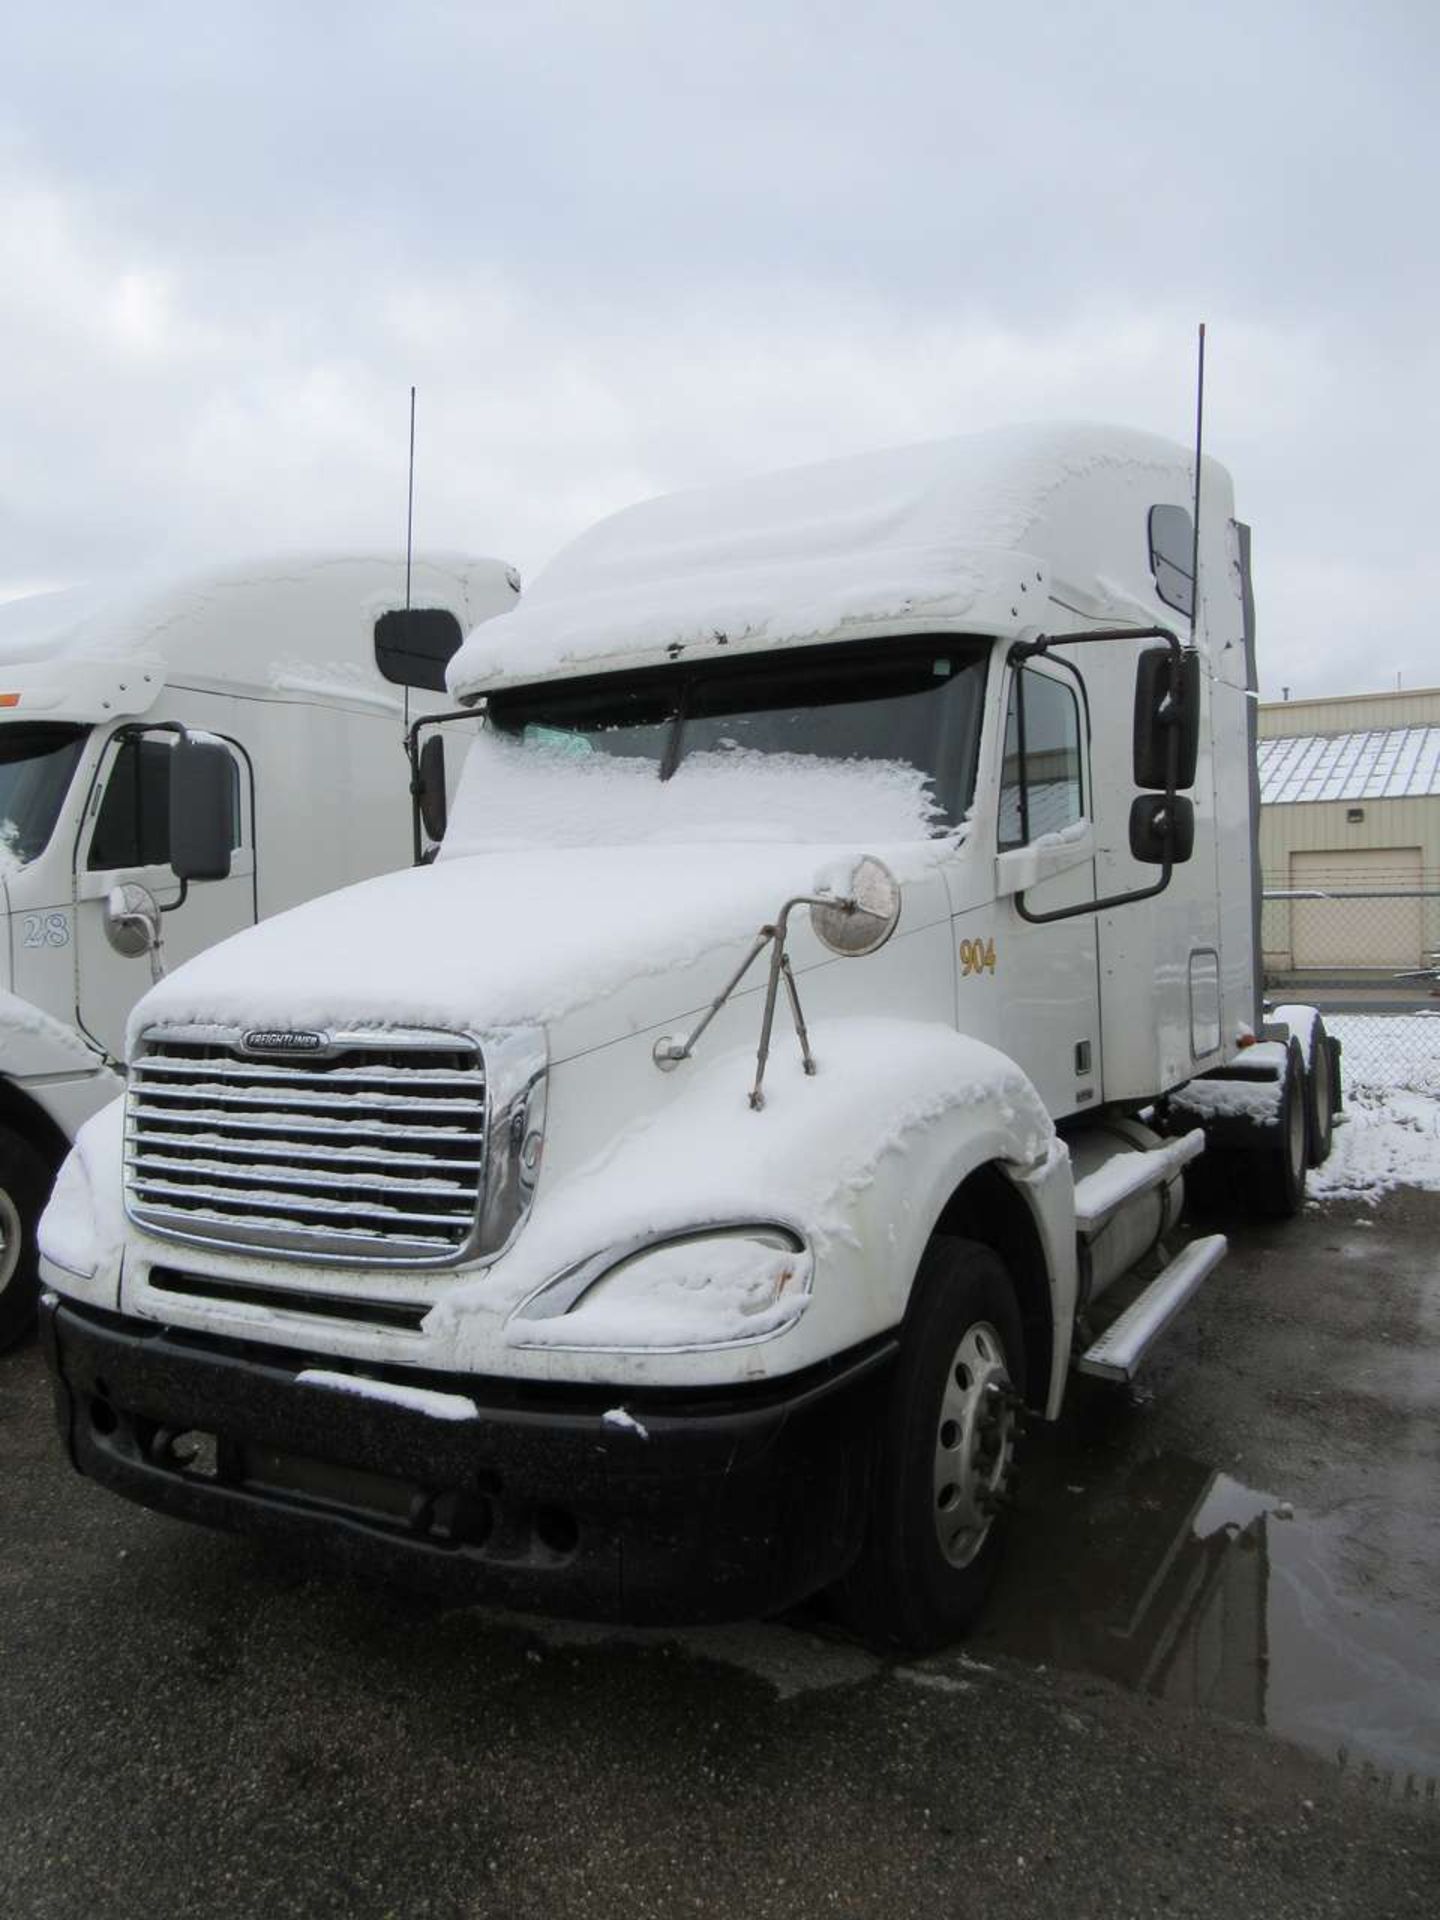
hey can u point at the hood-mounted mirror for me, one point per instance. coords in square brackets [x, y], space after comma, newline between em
[853, 924]
[863, 919]
[133, 925]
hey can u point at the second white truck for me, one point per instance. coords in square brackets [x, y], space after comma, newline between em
[671, 1200]
[291, 678]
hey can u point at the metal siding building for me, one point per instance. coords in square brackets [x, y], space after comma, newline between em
[1350, 812]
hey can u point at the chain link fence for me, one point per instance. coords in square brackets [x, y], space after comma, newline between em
[1369, 958]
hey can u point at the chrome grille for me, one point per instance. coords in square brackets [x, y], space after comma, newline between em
[372, 1151]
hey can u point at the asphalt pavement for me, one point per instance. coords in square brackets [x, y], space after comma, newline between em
[1208, 1684]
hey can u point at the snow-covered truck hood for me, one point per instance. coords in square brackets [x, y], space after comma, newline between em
[33, 1043]
[562, 882]
[496, 940]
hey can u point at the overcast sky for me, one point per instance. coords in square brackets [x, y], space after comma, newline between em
[622, 246]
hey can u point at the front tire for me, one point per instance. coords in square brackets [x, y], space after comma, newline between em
[945, 1456]
[25, 1182]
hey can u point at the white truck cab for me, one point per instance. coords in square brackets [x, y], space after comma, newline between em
[670, 1200]
[298, 673]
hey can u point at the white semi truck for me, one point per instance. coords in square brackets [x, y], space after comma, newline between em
[288, 681]
[670, 1200]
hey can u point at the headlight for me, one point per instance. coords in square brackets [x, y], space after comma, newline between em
[515, 1068]
[715, 1287]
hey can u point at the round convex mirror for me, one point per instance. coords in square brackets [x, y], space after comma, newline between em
[132, 920]
[865, 918]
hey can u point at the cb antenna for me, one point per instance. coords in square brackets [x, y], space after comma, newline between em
[410, 499]
[1195, 518]
[410, 544]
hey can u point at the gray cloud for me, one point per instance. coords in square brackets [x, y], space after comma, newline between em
[626, 247]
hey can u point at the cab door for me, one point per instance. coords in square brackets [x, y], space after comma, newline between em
[1049, 1001]
[125, 837]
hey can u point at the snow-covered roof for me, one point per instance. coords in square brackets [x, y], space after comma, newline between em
[1391, 763]
[969, 530]
[291, 619]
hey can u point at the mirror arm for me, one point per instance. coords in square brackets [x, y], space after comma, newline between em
[780, 968]
[669, 1052]
[412, 754]
[1030, 649]
[873, 906]
[1042, 643]
[133, 729]
[1095, 906]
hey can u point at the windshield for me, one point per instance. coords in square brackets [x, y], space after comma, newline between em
[909, 705]
[37, 762]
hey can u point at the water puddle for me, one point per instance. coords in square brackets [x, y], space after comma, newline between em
[1173, 1579]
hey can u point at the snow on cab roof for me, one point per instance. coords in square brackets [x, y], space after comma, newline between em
[213, 620]
[946, 531]
[1385, 763]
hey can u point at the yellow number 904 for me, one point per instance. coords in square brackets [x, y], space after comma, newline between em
[977, 956]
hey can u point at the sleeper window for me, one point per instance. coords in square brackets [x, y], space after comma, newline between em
[1040, 784]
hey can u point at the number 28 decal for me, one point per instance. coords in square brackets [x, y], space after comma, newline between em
[47, 930]
[977, 956]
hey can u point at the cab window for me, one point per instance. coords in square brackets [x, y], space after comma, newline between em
[1041, 789]
[37, 762]
[132, 828]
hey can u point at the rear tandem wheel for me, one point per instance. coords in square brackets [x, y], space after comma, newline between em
[1322, 1088]
[1275, 1175]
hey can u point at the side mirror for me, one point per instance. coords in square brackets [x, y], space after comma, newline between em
[430, 792]
[1158, 717]
[1161, 829]
[202, 808]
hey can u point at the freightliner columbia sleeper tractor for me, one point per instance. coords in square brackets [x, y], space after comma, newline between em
[282, 683]
[668, 1199]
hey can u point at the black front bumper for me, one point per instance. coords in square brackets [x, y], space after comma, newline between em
[733, 1503]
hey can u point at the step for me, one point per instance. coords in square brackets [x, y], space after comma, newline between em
[1117, 1354]
[1124, 1175]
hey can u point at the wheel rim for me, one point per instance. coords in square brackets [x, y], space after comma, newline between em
[11, 1239]
[974, 1444]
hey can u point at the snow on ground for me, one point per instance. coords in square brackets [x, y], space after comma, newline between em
[1391, 1135]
